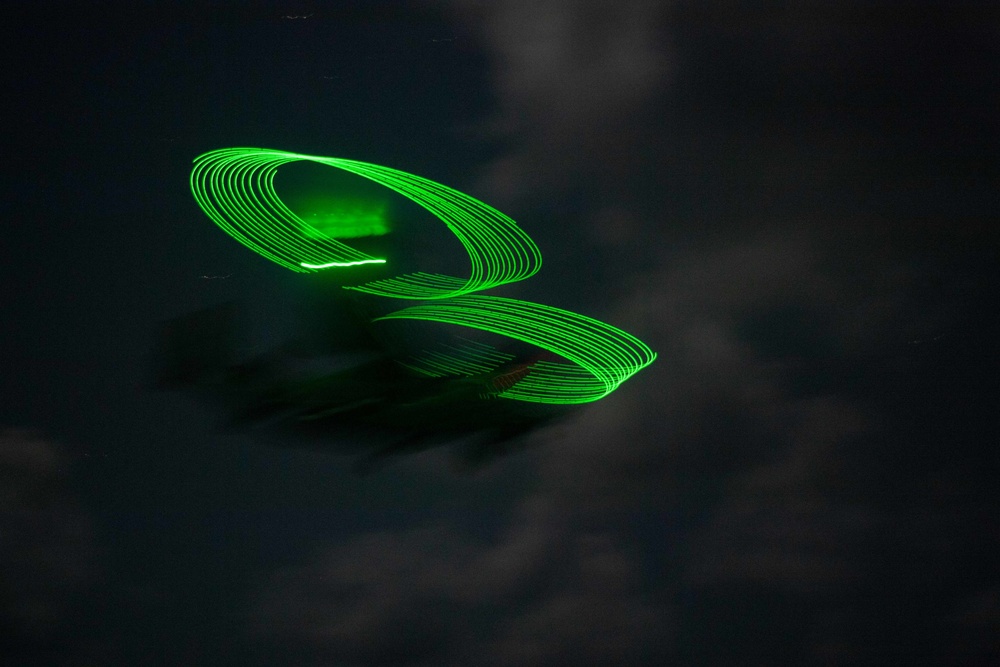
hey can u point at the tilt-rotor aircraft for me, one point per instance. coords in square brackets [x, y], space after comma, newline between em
[448, 389]
[369, 397]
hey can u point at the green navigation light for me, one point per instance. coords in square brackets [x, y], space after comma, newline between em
[329, 264]
[235, 188]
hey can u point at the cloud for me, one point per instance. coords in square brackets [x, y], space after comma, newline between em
[534, 596]
[571, 78]
[756, 429]
[722, 395]
[757, 445]
[712, 411]
[717, 420]
[976, 624]
[596, 618]
[776, 526]
[47, 541]
[748, 451]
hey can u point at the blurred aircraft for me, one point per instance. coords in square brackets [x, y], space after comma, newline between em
[368, 395]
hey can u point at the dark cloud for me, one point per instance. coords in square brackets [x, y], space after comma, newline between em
[794, 206]
[48, 553]
[753, 458]
[571, 80]
[718, 420]
[773, 488]
[538, 593]
[977, 623]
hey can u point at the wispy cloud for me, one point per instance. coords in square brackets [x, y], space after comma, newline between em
[47, 550]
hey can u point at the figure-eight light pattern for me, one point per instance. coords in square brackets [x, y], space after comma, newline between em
[235, 188]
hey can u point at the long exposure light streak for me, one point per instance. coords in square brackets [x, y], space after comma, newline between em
[332, 264]
[235, 188]
[603, 356]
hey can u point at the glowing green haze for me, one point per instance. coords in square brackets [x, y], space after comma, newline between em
[235, 188]
[344, 220]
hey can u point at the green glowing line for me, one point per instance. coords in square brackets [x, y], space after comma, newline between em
[471, 358]
[329, 264]
[603, 356]
[235, 188]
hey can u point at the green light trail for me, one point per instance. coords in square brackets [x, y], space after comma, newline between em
[470, 358]
[329, 264]
[603, 356]
[235, 188]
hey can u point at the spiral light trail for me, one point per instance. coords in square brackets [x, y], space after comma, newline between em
[235, 188]
[604, 356]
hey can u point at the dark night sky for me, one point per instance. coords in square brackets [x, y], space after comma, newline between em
[796, 208]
